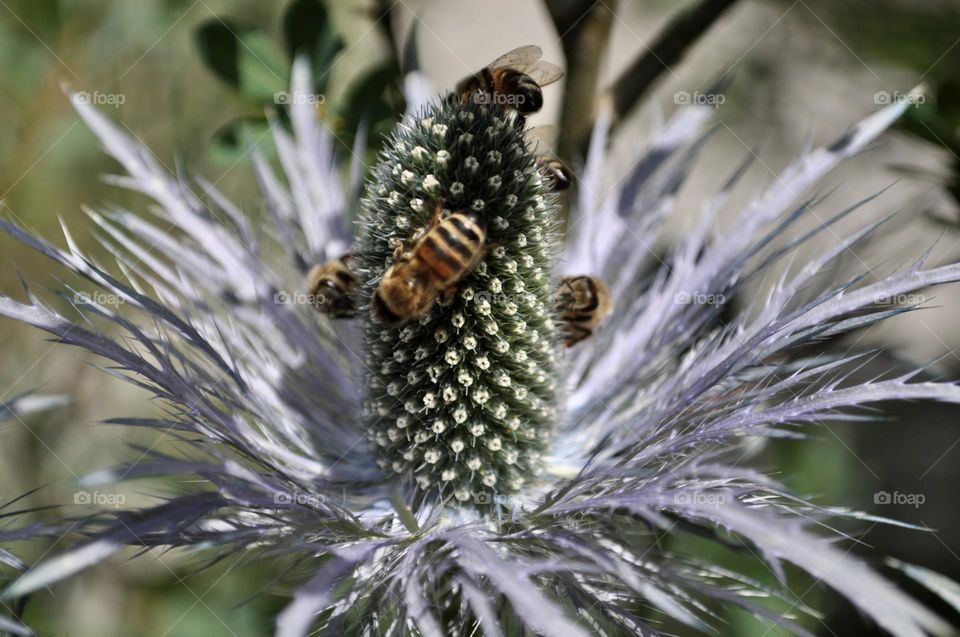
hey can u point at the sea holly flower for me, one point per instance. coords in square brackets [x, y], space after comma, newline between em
[276, 407]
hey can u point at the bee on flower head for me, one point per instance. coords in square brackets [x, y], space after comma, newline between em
[331, 286]
[448, 250]
[582, 303]
[512, 82]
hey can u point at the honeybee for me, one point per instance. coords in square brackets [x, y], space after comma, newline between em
[582, 303]
[558, 175]
[331, 286]
[448, 250]
[512, 81]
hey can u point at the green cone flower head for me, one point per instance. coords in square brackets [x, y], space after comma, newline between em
[461, 399]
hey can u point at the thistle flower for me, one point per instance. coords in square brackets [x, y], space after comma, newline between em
[463, 397]
[269, 400]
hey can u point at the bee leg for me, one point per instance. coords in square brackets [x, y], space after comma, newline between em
[447, 295]
[577, 333]
[399, 249]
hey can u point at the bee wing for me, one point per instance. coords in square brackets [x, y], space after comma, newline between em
[526, 59]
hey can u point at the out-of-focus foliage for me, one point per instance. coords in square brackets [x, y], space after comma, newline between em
[245, 58]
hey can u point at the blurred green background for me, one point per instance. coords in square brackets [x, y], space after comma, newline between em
[805, 67]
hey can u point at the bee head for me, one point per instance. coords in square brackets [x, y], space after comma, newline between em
[558, 174]
[529, 92]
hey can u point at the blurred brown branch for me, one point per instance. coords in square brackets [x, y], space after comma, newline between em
[584, 28]
[674, 40]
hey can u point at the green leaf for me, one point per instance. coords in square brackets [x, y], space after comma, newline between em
[308, 30]
[243, 57]
[235, 140]
[375, 99]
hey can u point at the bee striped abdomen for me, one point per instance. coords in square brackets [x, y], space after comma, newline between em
[452, 248]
